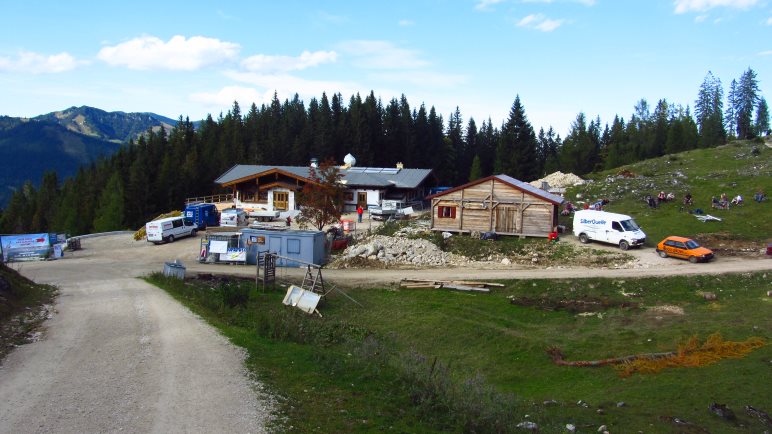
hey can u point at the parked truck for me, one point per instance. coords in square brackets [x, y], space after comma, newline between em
[202, 214]
[388, 209]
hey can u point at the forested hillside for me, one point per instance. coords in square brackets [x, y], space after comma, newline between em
[158, 171]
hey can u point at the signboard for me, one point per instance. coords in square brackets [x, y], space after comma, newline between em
[234, 255]
[25, 247]
[218, 246]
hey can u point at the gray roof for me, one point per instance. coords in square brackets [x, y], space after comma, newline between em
[535, 191]
[375, 177]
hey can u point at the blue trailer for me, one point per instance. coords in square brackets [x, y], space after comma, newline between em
[306, 246]
[203, 214]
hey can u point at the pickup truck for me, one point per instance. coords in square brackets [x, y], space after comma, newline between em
[263, 215]
[388, 209]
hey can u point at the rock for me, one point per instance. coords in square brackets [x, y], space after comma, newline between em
[446, 235]
[528, 425]
[570, 427]
[550, 402]
[621, 404]
[602, 428]
[506, 261]
[722, 411]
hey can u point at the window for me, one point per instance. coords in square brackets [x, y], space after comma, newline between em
[616, 226]
[293, 245]
[446, 212]
[349, 196]
[177, 223]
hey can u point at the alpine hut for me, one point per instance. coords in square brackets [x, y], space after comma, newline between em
[499, 204]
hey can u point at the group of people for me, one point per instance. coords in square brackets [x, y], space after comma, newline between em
[723, 201]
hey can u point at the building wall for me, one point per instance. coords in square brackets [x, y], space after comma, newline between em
[493, 206]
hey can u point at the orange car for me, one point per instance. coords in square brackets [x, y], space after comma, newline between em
[684, 248]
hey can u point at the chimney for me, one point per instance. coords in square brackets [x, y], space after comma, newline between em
[400, 165]
[314, 163]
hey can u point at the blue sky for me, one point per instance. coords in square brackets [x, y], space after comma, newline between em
[561, 56]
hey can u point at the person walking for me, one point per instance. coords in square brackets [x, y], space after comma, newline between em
[360, 211]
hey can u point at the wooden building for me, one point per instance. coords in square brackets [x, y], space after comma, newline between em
[275, 188]
[499, 204]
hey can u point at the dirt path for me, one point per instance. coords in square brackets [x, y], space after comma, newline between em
[121, 355]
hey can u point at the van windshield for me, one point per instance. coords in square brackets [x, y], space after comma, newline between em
[630, 225]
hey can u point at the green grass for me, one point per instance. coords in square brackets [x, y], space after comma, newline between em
[423, 360]
[19, 298]
[731, 169]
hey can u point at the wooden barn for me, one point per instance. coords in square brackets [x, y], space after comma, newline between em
[498, 203]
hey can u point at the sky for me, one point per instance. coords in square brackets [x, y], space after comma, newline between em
[562, 57]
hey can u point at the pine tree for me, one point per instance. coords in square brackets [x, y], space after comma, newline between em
[747, 98]
[109, 215]
[475, 172]
[762, 118]
[709, 111]
[516, 152]
[730, 117]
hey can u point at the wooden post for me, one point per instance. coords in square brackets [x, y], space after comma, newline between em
[461, 211]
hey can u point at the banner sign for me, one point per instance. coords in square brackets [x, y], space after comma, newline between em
[25, 247]
[234, 255]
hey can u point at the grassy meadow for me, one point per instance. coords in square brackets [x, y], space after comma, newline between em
[425, 360]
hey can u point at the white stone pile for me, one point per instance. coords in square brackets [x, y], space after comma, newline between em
[559, 180]
[399, 250]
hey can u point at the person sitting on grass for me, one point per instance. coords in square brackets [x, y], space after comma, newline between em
[688, 199]
[650, 201]
[759, 196]
[737, 200]
[661, 197]
[723, 201]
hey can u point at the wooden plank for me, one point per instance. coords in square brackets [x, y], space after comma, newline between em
[464, 288]
[475, 282]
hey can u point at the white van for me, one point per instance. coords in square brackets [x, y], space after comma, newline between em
[169, 229]
[608, 227]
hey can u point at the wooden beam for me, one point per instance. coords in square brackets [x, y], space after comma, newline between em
[461, 211]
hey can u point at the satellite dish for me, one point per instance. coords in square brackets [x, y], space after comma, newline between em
[350, 160]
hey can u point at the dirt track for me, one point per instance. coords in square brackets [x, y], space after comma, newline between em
[122, 355]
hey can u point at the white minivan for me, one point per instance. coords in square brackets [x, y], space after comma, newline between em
[169, 229]
[608, 227]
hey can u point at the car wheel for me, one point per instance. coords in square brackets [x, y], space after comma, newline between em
[171, 238]
[193, 233]
[662, 253]
[693, 259]
[624, 245]
[583, 238]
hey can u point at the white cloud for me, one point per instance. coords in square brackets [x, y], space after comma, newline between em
[381, 55]
[539, 22]
[769, 21]
[225, 97]
[485, 5]
[583, 2]
[179, 53]
[406, 23]
[422, 78]
[286, 84]
[35, 63]
[682, 6]
[270, 64]
[766, 53]
[700, 18]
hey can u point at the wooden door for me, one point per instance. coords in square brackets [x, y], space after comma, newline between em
[362, 199]
[506, 219]
[280, 200]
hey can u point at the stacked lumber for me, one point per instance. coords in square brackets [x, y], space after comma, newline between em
[460, 285]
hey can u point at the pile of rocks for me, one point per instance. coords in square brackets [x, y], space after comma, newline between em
[399, 251]
[559, 180]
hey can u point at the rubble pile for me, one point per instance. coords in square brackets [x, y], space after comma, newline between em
[559, 180]
[399, 251]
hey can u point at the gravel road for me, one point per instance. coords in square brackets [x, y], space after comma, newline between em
[121, 355]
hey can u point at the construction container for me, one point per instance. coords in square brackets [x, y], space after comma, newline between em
[202, 214]
[305, 246]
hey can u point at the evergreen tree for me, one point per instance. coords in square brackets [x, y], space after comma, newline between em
[321, 200]
[109, 215]
[762, 118]
[516, 151]
[708, 109]
[46, 201]
[747, 99]
[475, 172]
[730, 117]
